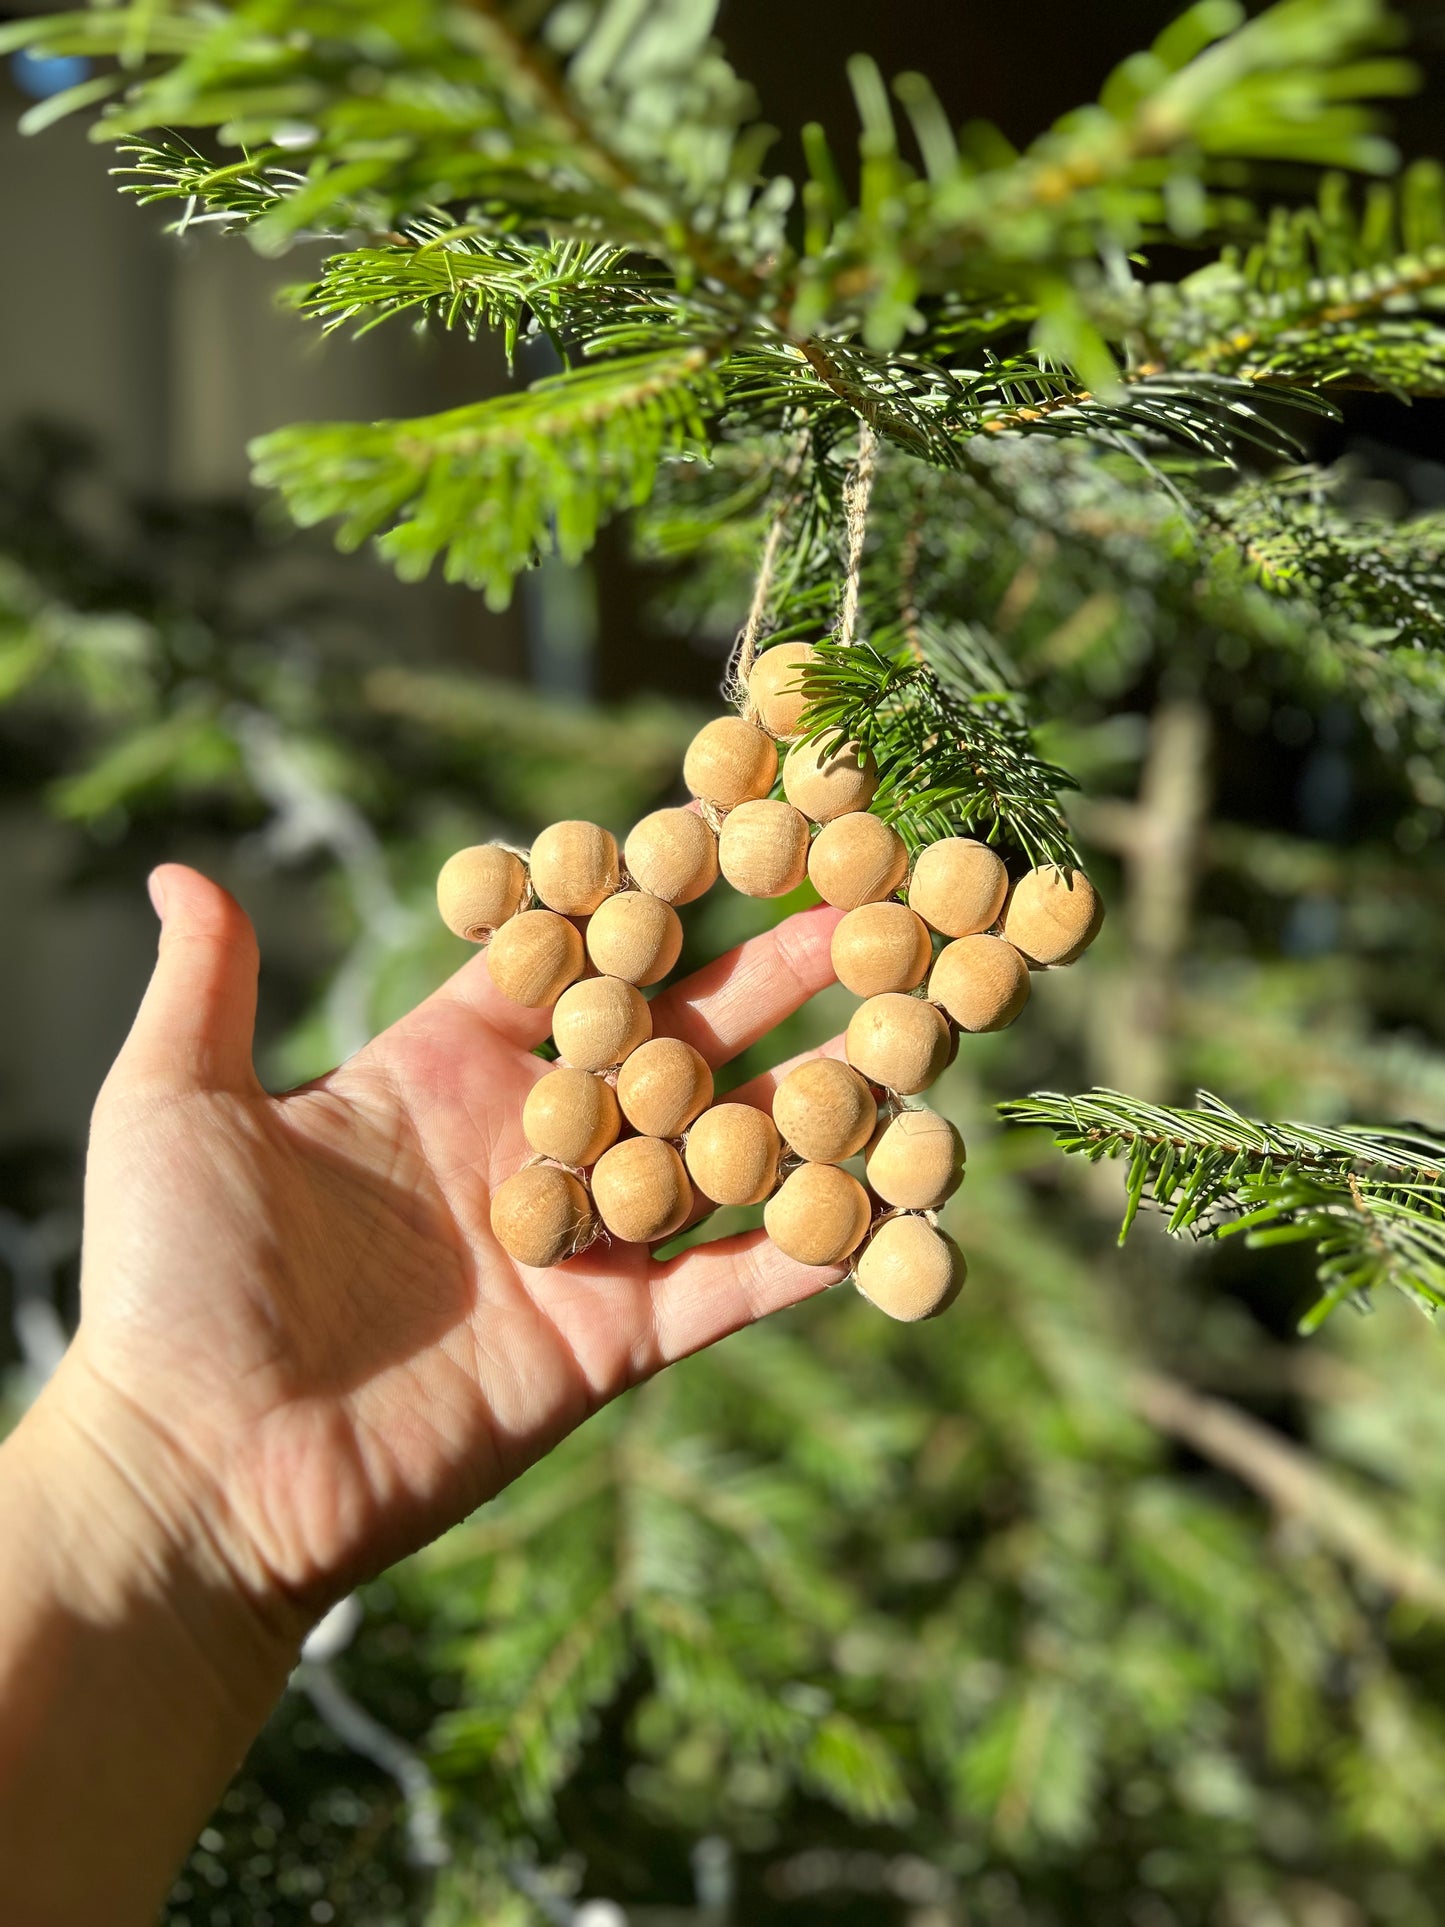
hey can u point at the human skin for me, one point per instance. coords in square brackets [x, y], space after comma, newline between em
[301, 1355]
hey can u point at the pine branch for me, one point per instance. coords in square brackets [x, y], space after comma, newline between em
[1284, 86]
[1296, 538]
[1372, 1201]
[497, 484]
[1328, 296]
[1284, 567]
[954, 754]
[629, 118]
[611, 114]
[460, 279]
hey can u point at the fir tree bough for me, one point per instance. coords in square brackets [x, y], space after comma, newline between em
[594, 174]
[1091, 477]
[1372, 1201]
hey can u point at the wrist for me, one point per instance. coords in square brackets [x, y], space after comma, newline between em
[125, 1531]
[137, 1660]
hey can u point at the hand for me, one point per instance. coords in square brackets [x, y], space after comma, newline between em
[301, 1354]
[293, 1308]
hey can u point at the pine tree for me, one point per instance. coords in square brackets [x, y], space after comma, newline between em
[1087, 479]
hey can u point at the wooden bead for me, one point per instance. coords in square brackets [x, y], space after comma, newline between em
[826, 784]
[916, 1161]
[774, 686]
[571, 1116]
[763, 848]
[881, 946]
[982, 982]
[480, 888]
[635, 937]
[958, 886]
[672, 854]
[857, 859]
[732, 1154]
[824, 1110]
[541, 1216]
[641, 1191]
[910, 1270]
[899, 1042]
[1052, 915]
[574, 867]
[730, 762]
[818, 1215]
[599, 1022]
[534, 957]
[663, 1086]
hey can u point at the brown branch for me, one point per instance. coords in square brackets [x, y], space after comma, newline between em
[1289, 1480]
[1160, 871]
[862, 401]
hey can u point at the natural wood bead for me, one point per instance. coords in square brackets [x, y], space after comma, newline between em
[915, 1161]
[571, 1116]
[763, 848]
[635, 937]
[599, 1022]
[534, 957]
[910, 1270]
[732, 1154]
[899, 1042]
[574, 867]
[641, 1191]
[663, 1086]
[857, 859]
[1052, 915]
[958, 885]
[541, 1216]
[982, 982]
[818, 1215]
[730, 762]
[480, 888]
[825, 784]
[773, 686]
[824, 1110]
[881, 946]
[672, 854]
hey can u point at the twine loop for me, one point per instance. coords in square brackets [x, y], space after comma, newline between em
[745, 649]
[857, 494]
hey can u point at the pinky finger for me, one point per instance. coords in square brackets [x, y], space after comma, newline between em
[718, 1288]
[760, 1091]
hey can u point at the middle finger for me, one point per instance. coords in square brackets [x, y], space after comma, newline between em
[731, 1003]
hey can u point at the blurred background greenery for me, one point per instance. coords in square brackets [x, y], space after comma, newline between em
[1104, 1600]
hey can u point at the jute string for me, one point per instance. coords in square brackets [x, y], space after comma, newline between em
[857, 493]
[745, 649]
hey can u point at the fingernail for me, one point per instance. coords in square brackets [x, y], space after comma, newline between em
[157, 893]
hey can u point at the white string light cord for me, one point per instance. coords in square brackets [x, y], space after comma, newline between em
[33, 1254]
[316, 1677]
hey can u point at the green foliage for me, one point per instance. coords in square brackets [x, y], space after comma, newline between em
[550, 463]
[953, 751]
[591, 174]
[1372, 1202]
[1329, 294]
[954, 1591]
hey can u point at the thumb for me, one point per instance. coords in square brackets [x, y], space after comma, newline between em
[196, 1022]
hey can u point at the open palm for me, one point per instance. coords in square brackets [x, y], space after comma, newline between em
[303, 1293]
